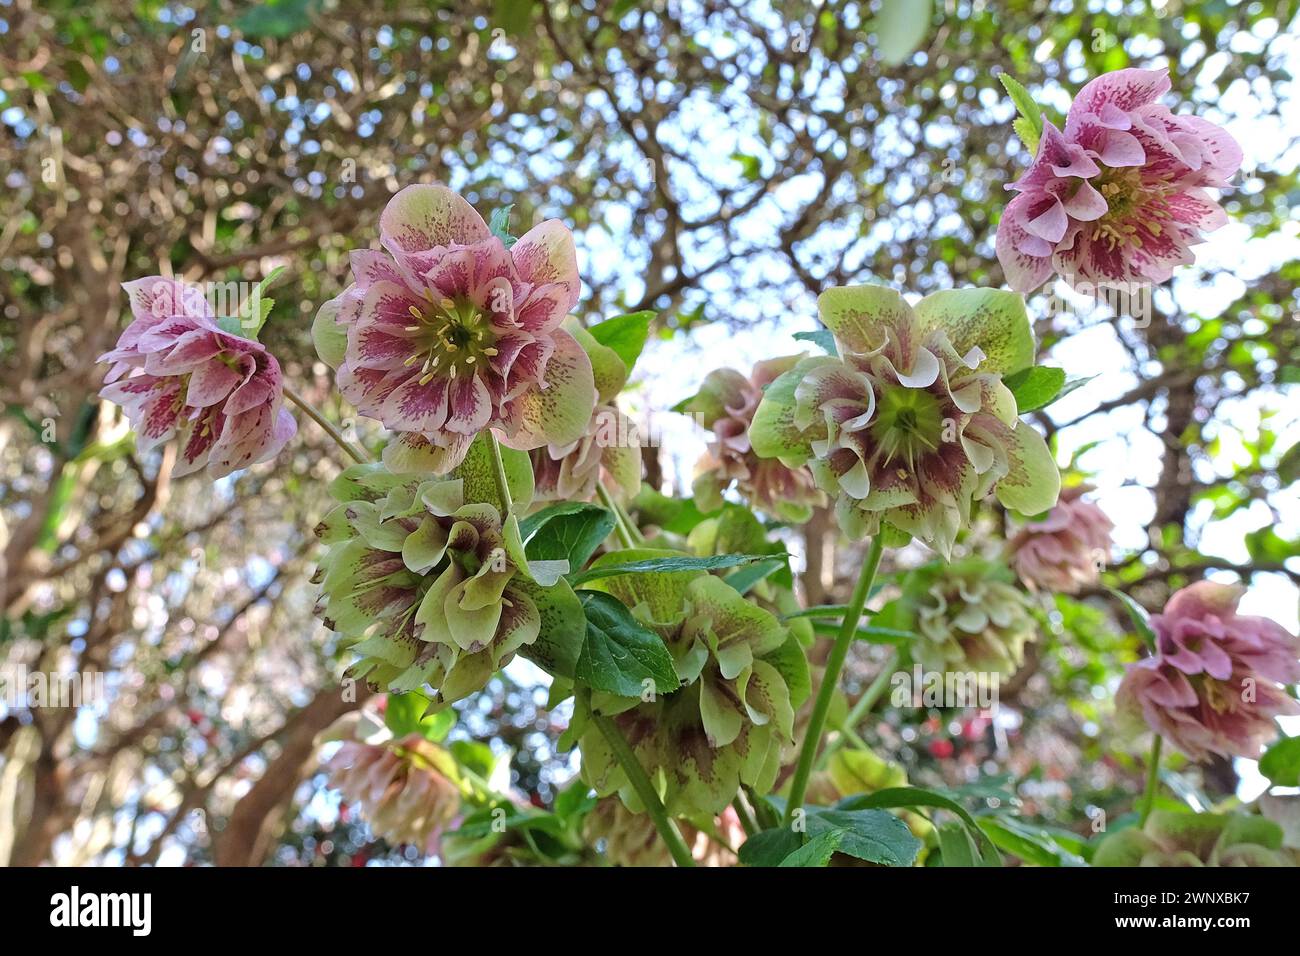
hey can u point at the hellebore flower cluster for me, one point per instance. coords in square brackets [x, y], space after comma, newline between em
[726, 404]
[1212, 687]
[911, 423]
[448, 333]
[606, 452]
[178, 375]
[733, 714]
[1118, 195]
[1067, 549]
[428, 579]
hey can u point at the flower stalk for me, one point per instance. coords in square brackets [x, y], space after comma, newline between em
[834, 664]
[312, 412]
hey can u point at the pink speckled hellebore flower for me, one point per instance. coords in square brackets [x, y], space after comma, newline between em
[1117, 195]
[448, 332]
[1213, 686]
[177, 375]
[1065, 551]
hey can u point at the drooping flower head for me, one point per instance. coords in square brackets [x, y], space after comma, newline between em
[1213, 685]
[448, 332]
[427, 580]
[178, 375]
[911, 424]
[630, 839]
[1066, 550]
[733, 714]
[726, 404]
[1174, 838]
[406, 789]
[1118, 195]
[968, 616]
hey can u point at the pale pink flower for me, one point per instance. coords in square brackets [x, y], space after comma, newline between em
[1063, 552]
[449, 333]
[1118, 195]
[178, 375]
[1200, 631]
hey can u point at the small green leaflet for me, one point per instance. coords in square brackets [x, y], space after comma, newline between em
[714, 563]
[1035, 386]
[1029, 126]
[1138, 614]
[625, 334]
[1281, 762]
[568, 530]
[620, 655]
[822, 338]
[499, 223]
[246, 325]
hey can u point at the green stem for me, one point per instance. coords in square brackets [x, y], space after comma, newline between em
[864, 704]
[830, 679]
[360, 457]
[499, 472]
[627, 533]
[746, 816]
[645, 790]
[1153, 780]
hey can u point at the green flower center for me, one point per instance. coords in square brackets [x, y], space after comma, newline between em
[908, 424]
[456, 338]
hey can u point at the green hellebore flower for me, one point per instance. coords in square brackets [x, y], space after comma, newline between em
[968, 616]
[1176, 838]
[733, 715]
[911, 424]
[429, 585]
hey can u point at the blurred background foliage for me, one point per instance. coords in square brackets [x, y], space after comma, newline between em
[720, 164]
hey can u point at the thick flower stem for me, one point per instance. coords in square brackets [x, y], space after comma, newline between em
[1153, 779]
[645, 790]
[748, 823]
[499, 472]
[830, 679]
[356, 454]
[627, 531]
[865, 703]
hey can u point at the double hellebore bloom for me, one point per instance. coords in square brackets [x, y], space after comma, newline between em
[1212, 687]
[733, 714]
[427, 581]
[726, 404]
[1067, 549]
[1174, 838]
[1118, 195]
[607, 452]
[448, 332]
[178, 375]
[911, 423]
[406, 788]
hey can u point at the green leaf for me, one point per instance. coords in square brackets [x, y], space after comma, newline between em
[625, 334]
[745, 579]
[620, 655]
[910, 798]
[876, 836]
[770, 847]
[822, 338]
[403, 715]
[666, 565]
[570, 530]
[1035, 386]
[1281, 762]
[956, 846]
[1029, 127]
[817, 851]
[1138, 615]
[563, 629]
[1032, 846]
[499, 223]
